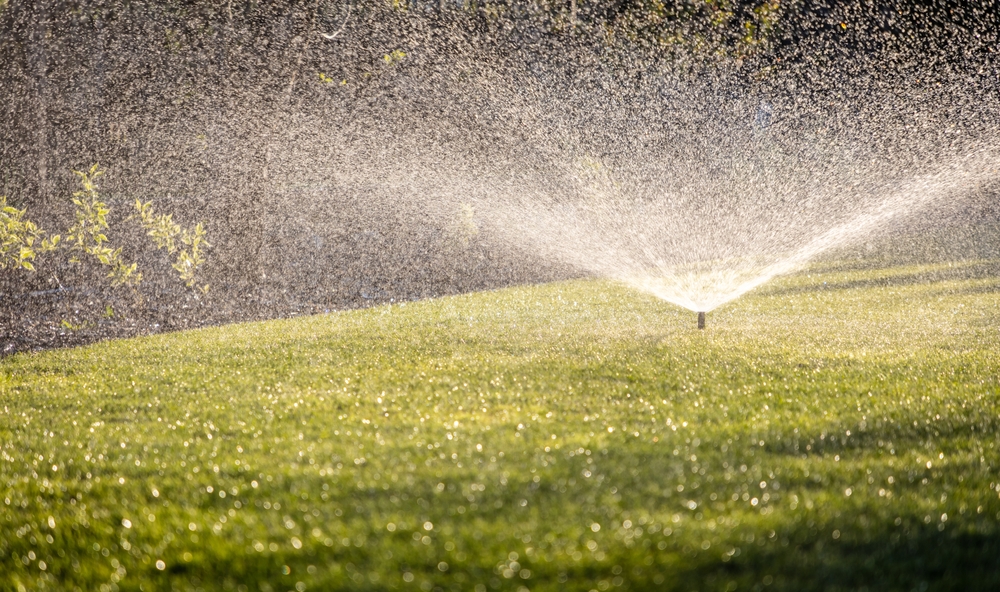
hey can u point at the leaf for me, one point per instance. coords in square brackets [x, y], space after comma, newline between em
[50, 243]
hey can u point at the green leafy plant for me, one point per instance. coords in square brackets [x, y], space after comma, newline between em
[759, 31]
[188, 244]
[71, 326]
[21, 239]
[718, 28]
[87, 236]
[18, 238]
[395, 57]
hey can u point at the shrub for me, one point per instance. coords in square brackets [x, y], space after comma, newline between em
[166, 234]
[18, 238]
[21, 240]
[87, 236]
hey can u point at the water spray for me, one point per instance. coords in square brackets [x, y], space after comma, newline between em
[701, 320]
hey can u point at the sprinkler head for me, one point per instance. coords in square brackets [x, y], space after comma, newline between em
[701, 320]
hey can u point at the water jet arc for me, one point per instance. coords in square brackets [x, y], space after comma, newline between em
[701, 320]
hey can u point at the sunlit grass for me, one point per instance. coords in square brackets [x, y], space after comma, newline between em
[834, 430]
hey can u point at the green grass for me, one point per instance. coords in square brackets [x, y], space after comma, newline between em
[834, 430]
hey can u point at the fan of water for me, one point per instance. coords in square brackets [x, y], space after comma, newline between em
[699, 188]
[700, 256]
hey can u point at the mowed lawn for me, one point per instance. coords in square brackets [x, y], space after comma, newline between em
[835, 430]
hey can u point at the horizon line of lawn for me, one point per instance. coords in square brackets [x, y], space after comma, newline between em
[863, 273]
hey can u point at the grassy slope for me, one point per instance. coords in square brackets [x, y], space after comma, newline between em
[832, 431]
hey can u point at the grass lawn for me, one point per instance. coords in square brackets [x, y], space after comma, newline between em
[835, 430]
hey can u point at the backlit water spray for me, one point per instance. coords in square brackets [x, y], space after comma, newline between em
[345, 154]
[709, 195]
[644, 255]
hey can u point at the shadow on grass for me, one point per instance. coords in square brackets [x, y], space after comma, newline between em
[977, 289]
[924, 559]
[972, 271]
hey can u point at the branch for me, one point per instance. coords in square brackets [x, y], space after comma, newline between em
[342, 26]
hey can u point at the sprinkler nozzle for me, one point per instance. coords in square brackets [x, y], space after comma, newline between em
[701, 320]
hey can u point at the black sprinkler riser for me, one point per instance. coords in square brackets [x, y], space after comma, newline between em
[701, 320]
